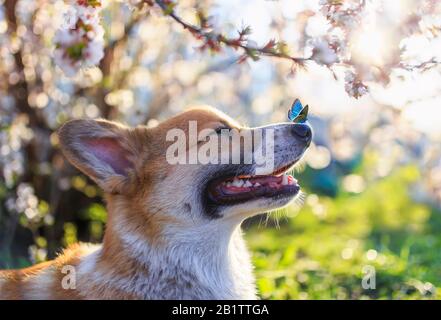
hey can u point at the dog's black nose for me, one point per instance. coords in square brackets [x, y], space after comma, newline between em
[302, 131]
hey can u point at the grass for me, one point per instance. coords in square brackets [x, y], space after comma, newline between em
[319, 251]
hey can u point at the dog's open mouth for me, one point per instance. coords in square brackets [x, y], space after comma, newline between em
[233, 190]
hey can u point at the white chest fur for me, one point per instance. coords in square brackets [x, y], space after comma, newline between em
[207, 263]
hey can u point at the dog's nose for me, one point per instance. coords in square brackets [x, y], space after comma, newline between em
[302, 131]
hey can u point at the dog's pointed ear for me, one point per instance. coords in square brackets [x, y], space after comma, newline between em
[105, 151]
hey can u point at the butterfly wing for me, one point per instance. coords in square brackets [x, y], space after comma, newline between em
[303, 115]
[295, 110]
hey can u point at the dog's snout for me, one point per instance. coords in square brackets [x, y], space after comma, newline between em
[302, 131]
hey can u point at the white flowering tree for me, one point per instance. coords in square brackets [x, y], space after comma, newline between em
[80, 43]
[139, 61]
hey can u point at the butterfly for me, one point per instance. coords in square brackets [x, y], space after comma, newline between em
[298, 113]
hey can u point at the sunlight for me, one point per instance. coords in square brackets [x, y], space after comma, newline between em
[369, 46]
[416, 114]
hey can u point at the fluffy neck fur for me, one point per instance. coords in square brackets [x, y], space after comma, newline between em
[208, 261]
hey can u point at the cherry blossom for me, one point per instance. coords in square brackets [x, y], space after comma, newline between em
[79, 42]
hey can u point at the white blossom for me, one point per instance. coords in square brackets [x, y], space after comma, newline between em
[344, 17]
[80, 40]
[353, 86]
[322, 53]
[70, 18]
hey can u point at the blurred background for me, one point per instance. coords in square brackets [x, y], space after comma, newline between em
[372, 177]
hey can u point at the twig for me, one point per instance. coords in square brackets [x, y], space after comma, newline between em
[213, 39]
[423, 66]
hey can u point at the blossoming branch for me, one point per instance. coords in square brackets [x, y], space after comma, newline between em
[79, 43]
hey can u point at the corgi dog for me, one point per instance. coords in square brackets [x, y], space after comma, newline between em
[173, 230]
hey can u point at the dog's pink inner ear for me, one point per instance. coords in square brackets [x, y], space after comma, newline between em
[109, 151]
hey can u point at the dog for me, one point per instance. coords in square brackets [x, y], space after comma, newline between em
[173, 230]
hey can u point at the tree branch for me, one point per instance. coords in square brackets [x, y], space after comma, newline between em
[106, 62]
[20, 90]
[213, 40]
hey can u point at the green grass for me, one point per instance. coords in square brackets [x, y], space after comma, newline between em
[319, 251]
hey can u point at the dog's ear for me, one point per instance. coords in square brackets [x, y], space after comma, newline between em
[106, 151]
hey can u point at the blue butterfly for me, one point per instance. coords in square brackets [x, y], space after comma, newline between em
[298, 113]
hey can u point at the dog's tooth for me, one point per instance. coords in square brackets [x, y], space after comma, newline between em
[248, 184]
[257, 184]
[237, 183]
[285, 180]
[240, 182]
